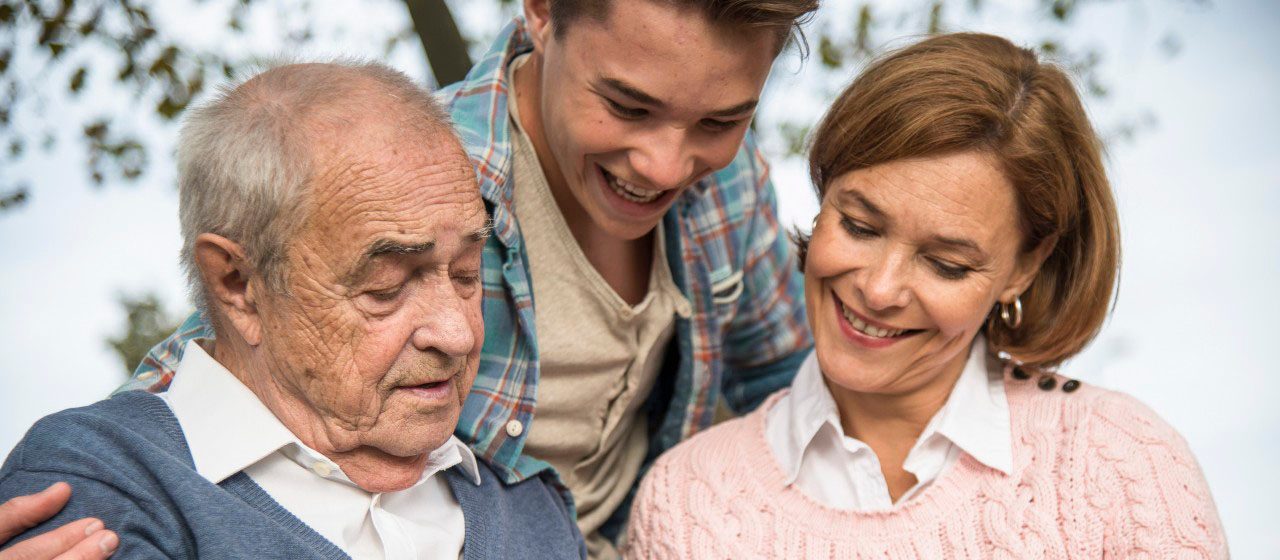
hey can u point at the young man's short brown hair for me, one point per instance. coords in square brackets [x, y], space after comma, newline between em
[784, 17]
[968, 91]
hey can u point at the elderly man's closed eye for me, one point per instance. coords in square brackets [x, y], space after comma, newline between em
[332, 233]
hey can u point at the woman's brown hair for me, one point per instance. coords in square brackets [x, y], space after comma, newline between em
[969, 91]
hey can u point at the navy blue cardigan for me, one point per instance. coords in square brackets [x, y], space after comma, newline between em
[128, 464]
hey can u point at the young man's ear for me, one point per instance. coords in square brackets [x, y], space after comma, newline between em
[537, 16]
[226, 274]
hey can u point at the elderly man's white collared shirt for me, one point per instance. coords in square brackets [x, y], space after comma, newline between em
[804, 432]
[229, 430]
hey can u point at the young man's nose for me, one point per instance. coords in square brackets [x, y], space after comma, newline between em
[664, 160]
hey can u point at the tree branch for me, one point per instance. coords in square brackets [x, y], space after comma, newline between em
[446, 50]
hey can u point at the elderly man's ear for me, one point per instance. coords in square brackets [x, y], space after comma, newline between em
[230, 283]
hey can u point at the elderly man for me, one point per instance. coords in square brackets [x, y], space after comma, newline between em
[332, 232]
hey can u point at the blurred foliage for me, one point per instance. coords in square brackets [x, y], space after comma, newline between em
[147, 323]
[843, 47]
[54, 51]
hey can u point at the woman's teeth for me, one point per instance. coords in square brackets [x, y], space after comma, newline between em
[862, 327]
[629, 192]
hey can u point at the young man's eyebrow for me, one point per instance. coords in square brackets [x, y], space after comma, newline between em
[633, 92]
[639, 96]
[734, 110]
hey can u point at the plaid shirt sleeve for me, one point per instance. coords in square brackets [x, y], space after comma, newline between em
[769, 335]
[157, 368]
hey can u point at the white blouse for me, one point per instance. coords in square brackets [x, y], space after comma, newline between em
[804, 432]
[229, 430]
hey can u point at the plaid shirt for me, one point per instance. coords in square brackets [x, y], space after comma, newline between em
[745, 338]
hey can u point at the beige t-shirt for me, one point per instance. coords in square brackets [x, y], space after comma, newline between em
[599, 356]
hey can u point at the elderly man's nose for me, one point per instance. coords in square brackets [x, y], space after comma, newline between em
[444, 328]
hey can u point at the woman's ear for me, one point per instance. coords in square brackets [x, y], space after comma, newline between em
[1028, 267]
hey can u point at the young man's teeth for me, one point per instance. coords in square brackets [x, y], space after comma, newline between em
[862, 327]
[625, 190]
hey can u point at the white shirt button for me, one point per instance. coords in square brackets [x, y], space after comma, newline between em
[684, 309]
[515, 428]
[321, 469]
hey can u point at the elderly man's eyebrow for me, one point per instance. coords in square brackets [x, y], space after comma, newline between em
[482, 233]
[392, 247]
[383, 247]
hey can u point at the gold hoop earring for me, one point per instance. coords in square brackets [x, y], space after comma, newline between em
[1012, 318]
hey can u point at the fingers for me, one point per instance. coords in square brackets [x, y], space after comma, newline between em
[97, 546]
[84, 538]
[24, 512]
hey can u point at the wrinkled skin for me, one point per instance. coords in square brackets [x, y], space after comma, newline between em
[334, 356]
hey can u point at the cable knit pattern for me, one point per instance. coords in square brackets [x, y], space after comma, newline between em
[1096, 475]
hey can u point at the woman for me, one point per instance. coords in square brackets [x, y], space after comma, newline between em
[967, 244]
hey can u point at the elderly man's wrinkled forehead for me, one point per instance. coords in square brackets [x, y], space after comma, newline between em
[353, 129]
[327, 104]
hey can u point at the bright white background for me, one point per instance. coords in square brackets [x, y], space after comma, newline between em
[1193, 334]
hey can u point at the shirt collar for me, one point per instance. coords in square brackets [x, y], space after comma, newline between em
[807, 410]
[975, 417]
[228, 428]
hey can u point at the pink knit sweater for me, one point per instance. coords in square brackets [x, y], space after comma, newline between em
[1096, 475]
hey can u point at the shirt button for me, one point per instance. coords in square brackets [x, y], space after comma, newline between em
[321, 469]
[684, 310]
[515, 428]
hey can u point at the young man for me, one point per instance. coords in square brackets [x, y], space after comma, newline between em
[637, 277]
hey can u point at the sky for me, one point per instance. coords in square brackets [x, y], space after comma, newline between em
[1199, 193]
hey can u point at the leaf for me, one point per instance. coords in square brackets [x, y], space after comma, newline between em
[6, 13]
[14, 199]
[6, 55]
[1061, 9]
[829, 53]
[862, 38]
[935, 18]
[77, 79]
[96, 130]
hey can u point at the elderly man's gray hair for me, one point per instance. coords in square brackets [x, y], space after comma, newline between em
[245, 157]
